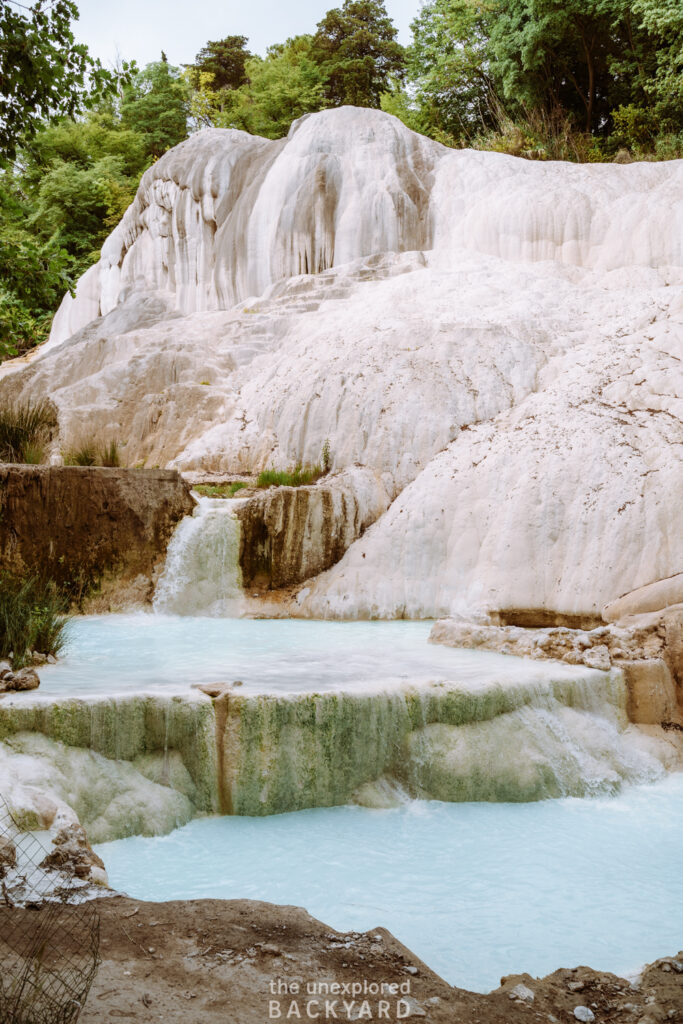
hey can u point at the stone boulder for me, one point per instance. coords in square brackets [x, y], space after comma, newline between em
[73, 855]
[23, 679]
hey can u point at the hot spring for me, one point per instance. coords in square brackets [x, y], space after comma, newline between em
[368, 776]
[475, 890]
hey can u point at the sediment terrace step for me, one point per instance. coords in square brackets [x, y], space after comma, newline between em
[562, 732]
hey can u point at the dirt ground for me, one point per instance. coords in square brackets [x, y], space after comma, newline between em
[245, 962]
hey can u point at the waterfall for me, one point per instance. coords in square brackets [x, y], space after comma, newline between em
[202, 575]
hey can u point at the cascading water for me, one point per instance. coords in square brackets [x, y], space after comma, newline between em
[202, 574]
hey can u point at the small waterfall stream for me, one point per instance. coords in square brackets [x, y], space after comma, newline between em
[202, 575]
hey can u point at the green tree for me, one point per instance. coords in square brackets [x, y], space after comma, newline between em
[561, 54]
[81, 205]
[662, 20]
[355, 46]
[44, 73]
[281, 88]
[449, 66]
[79, 177]
[34, 274]
[69, 189]
[225, 60]
[155, 104]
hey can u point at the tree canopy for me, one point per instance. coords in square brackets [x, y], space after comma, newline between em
[224, 61]
[355, 45]
[596, 65]
[559, 79]
[44, 73]
[156, 105]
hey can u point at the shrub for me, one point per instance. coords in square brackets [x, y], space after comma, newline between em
[538, 135]
[635, 127]
[25, 430]
[32, 618]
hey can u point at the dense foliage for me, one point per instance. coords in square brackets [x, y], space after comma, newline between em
[558, 79]
[43, 70]
[609, 70]
[69, 188]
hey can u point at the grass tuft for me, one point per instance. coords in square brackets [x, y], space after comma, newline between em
[25, 429]
[297, 477]
[32, 618]
[91, 454]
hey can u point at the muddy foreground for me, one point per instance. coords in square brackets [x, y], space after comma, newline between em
[245, 962]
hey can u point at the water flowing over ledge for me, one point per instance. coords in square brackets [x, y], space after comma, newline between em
[458, 726]
[202, 573]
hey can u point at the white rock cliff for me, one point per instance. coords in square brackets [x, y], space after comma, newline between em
[497, 342]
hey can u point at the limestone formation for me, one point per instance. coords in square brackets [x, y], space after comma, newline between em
[496, 342]
[646, 647]
[147, 764]
[288, 534]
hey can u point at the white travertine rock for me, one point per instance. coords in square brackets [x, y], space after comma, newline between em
[651, 598]
[499, 342]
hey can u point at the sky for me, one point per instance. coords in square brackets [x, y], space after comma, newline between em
[140, 29]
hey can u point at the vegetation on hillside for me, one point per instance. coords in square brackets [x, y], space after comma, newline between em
[25, 430]
[582, 80]
[32, 618]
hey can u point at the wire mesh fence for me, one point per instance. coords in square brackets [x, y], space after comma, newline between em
[49, 932]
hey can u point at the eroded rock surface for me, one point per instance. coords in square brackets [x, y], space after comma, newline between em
[79, 523]
[289, 534]
[497, 341]
[646, 647]
[73, 855]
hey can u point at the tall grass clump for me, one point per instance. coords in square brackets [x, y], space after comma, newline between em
[536, 134]
[92, 454]
[32, 618]
[25, 430]
[297, 477]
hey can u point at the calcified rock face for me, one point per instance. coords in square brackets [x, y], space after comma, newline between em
[498, 342]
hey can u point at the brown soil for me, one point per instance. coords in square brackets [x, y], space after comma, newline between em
[80, 524]
[217, 962]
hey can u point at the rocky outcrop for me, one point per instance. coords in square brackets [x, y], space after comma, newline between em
[24, 679]
[498, 341]
[651, 598]
[73, 855]
[288, 534]
[647, 647]
[77, 524]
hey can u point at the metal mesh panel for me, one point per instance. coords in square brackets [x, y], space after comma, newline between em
[49, 933]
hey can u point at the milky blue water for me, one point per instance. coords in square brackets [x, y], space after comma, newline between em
[475, 890]
[110, 654]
